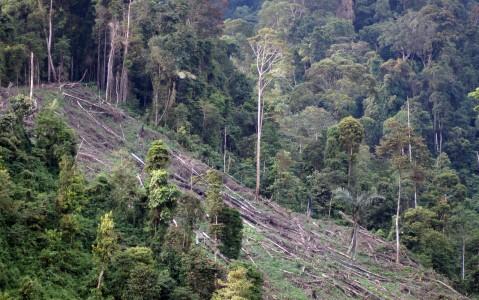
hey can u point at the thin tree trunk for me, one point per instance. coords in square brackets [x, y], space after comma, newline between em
[224, 151]
[103, 69]
[111, 60]
[409, 131]
[397, 219]
[330, 205]
[31, 76]
[415, 194]
[51, 67]
[350, 166]
[100, 278]
[124, 72]
[258, 138]
[463, 269]
[98, 67]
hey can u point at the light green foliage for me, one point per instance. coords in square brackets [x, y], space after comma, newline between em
[162, 198]
[351, 134]
[106, 240]
[237, 286]
[157, 157]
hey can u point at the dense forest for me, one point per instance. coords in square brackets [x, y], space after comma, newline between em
[366, 108]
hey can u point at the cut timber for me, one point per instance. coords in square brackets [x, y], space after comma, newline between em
[107, 129]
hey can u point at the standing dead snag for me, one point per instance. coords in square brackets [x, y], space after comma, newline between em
[124, 70]
[111, 59]
[51, 67]
[31, 76]
[268, 52]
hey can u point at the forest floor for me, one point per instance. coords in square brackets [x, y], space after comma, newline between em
[301, 258]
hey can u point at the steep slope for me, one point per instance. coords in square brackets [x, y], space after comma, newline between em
[301, 258]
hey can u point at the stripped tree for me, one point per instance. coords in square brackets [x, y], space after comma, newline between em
[268, 53]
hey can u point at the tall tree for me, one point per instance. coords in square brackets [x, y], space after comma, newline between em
[105, 245]
[268, 53]
[395, 145]
[351, 134]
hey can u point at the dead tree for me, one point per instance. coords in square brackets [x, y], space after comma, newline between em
[51, 67]
[111, 60]
[267, 50]
[124, 71]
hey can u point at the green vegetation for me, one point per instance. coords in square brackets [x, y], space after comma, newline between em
[66, 237]
[296, 98]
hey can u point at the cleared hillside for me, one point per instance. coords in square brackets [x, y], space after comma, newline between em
[300, 257]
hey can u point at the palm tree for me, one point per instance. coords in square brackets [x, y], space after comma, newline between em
[358, 204]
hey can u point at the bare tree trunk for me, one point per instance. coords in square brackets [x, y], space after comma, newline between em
[103, 69]
[409, 131]
[31, 76]
[258, 137]
[111, 60]
[124, 71]
[330, 205]
[415, 194]
[398, 210]
[463, 269]
[100, 278]
[51, 67]
[224, 151]
[98, 66]
[350, 166]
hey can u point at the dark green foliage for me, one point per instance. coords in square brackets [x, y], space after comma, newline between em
[54, 139]
[201, 273]
[231, 232]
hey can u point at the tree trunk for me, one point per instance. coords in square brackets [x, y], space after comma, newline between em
[124, 71]
[350, 166]
[31, 76]
[398, 209]
[51, 67]
[330, 205]
[463, 269]
[409, 131]
[111, 60]
[224, 152]
[353, 244]
[415, 194]
[98, 67]
[258, 137]
[100, 278]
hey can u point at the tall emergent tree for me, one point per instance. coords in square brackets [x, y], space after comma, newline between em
[214, 205]
[395, 146]
[268, 53]
[162, 196]
[105, 245]
[351, 134]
